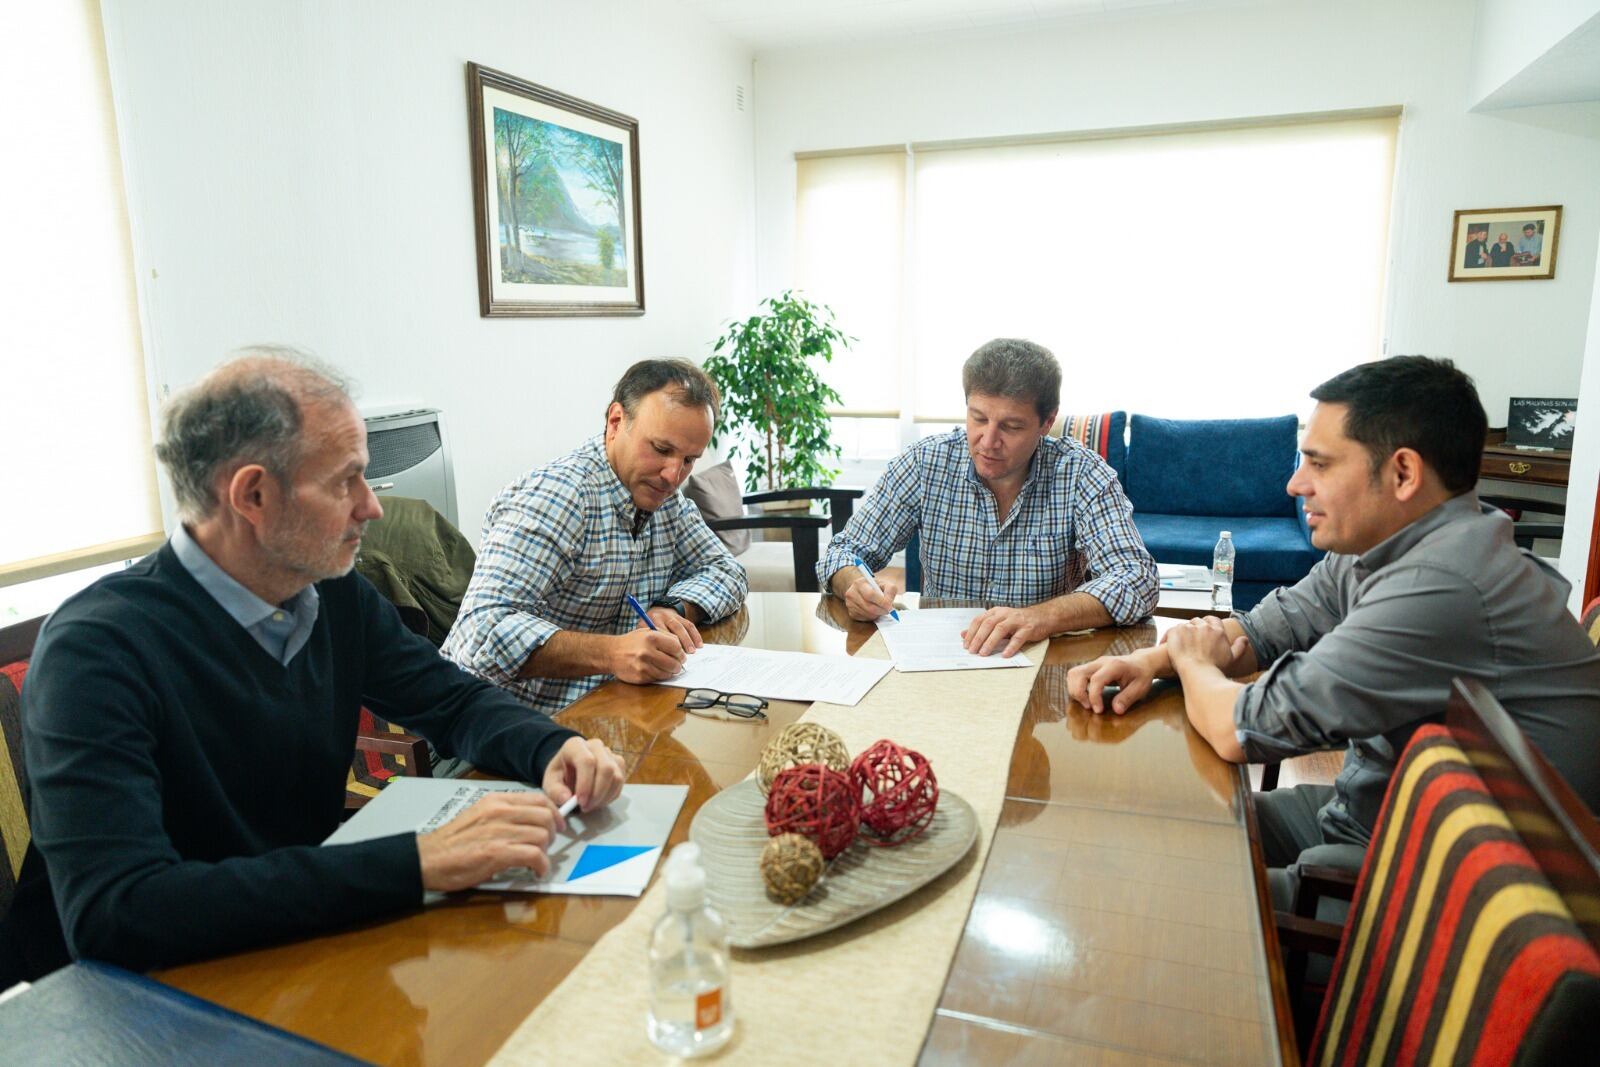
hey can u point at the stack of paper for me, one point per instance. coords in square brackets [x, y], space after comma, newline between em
[780, 675]
[930, 639]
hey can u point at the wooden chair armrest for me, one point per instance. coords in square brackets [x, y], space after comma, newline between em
[1296, 933]
[1327, 881]
[841, 502]
[770, 522]
[803, 493]
[419, 763]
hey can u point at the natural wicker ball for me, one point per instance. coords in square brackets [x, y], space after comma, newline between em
[899, 792]
[790, 865]
[797, 743]
[817, 801]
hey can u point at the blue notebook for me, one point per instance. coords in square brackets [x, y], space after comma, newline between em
[93, 1013]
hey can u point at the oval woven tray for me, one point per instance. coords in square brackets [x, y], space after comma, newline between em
[731, 833]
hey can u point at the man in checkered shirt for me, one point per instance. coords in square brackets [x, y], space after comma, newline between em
[546, 614]
[1007, 515]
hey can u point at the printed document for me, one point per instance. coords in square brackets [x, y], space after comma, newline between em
[610, 852]
[780, 675]
[929, 639]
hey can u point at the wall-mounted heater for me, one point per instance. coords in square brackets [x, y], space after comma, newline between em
[410, 456]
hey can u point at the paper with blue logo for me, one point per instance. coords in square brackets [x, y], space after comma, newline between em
[610, 852]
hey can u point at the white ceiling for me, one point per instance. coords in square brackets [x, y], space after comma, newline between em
[1569, 72]
[767, 25]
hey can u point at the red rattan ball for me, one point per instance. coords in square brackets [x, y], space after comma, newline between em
[899, 792]
[816, 801]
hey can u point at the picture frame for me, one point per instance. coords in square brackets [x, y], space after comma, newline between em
[1541, 423]
[555, 193]
[1505, 244]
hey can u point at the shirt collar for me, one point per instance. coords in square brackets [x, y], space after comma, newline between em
[1404, 540]
[245, 607]
[613, 490]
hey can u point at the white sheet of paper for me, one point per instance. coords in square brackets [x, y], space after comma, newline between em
[780, 675]
[929, 639]
[610, 852]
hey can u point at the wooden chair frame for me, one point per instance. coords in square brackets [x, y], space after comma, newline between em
[804, 529]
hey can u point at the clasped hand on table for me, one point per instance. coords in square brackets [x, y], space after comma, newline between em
[1195, 641]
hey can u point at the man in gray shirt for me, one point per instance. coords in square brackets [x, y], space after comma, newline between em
[1422, 583]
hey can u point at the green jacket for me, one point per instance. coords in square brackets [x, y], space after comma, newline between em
[420, 563]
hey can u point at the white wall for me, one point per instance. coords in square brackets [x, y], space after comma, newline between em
[299, 172]
[1170, 67]
[1585, 474]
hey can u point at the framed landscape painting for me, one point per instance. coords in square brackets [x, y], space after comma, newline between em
[555, 192]
[1503, 244]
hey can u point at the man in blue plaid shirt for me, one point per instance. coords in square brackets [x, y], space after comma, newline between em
[546, 613]
[1007, 515]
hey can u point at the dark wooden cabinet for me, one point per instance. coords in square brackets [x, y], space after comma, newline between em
[1502, 462]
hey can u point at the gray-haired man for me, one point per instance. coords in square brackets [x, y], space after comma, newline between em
[546, 614]
[189, 722]
[1006, 514]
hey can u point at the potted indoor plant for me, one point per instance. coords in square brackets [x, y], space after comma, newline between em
[774, 403]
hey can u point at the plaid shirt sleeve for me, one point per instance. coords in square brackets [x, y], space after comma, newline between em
[1122, 574]
[880, 527]
[704, 572]
[529, 545]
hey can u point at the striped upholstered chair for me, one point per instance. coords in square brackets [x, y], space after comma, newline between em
[16, 646]
[1473, 932]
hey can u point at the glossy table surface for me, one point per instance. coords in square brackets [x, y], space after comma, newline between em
[1117, 919]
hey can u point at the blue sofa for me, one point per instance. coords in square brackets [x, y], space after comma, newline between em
[1190, 479]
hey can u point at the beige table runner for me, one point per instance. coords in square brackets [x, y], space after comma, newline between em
[862, 994]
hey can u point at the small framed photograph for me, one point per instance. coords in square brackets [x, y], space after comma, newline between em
[555, 194]
[1543, 423]
[1505, 244]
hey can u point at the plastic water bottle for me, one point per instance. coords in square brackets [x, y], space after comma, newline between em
[691, 1006]
[1222, 574]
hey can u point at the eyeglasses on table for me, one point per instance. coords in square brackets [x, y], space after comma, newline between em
[709, 701]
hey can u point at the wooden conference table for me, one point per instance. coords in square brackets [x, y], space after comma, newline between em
[1117, 920]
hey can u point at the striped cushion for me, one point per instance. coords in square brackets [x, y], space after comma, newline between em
[1458, 950]
[371, 771]
[1091, 431]
[1103, 434]
[14, 835]
[1591, 620]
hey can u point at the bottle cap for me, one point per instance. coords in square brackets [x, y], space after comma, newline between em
[1227, 533]
[686, 879]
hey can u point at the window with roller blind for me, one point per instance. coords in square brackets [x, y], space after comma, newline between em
[78, 479]
[1189, 273]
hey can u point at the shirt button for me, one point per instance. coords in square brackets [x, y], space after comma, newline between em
[277, 616]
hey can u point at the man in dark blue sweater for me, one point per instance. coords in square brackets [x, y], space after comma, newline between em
[188, 722]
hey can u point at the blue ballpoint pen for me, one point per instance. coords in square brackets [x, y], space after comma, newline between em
[639, 608]
[876, 587]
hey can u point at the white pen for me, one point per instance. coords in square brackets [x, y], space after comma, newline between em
[876, 588]
[569, 807]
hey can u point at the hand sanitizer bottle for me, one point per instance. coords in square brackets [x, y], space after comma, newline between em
[691, 1006]
[1222, 574]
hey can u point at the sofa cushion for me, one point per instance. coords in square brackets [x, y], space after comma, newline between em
[1211, 466]
[1104, 434]
[715, 491]
[1267, 549]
